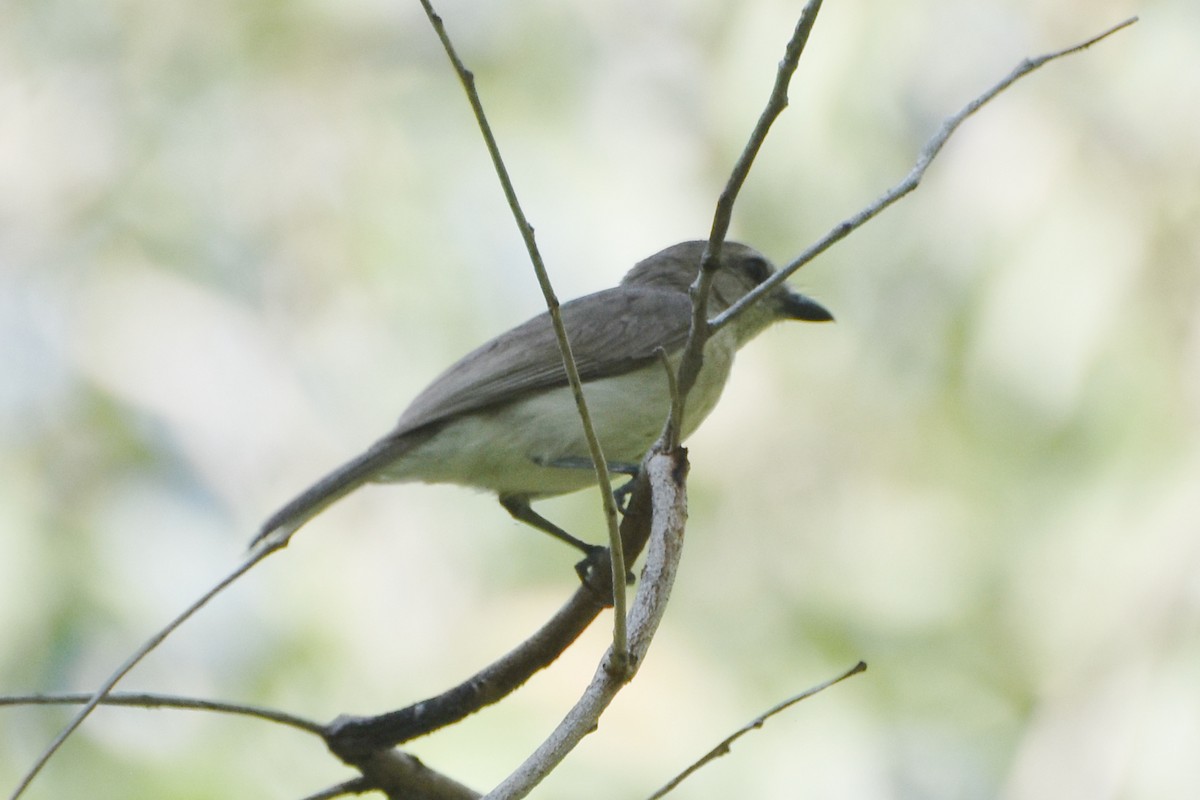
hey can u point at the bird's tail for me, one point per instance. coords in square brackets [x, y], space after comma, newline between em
[333, 487]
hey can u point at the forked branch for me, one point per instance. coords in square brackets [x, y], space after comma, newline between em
[910, 181]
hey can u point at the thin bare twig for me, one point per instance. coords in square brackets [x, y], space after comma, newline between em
[910, 181]
[154, 641]
[670, 435]
[693, 351]
[620, 643]
[155, 700]
[727, 743]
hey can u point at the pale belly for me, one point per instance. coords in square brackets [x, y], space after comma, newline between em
[511, 450]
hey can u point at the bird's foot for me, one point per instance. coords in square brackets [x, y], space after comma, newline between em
[597, 562]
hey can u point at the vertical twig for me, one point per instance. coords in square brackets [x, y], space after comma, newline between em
[620, 643]
[693, 351]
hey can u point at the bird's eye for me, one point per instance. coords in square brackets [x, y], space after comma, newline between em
[757, 268]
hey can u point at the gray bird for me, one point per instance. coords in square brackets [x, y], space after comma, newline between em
[503, 418]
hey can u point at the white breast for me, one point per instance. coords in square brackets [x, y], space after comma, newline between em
[507, 450]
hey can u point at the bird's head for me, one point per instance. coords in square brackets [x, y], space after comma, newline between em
[742, 269]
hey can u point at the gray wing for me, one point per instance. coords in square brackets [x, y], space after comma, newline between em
[611, 332]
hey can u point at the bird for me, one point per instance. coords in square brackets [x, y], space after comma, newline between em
[503, 418]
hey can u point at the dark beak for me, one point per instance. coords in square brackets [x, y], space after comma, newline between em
[796, 306]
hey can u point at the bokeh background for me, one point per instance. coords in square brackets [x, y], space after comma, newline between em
[237, 237]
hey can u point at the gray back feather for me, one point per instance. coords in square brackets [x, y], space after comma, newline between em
[636, 321]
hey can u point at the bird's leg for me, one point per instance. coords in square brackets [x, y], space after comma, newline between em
[518, 506]
[595, 556]
[621, 494]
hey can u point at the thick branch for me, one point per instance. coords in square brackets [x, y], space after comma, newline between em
[354, 738]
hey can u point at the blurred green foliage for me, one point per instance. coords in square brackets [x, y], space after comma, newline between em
[236, 238]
